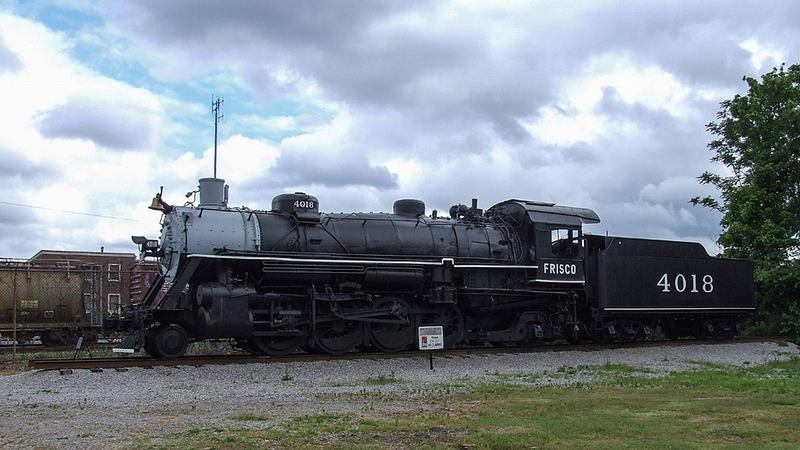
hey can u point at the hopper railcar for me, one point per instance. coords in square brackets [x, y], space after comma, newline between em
[519, 273]
[55, 302]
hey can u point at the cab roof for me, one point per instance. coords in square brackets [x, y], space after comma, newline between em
[541, 212]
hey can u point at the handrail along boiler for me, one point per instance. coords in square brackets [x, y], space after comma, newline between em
[519, 273]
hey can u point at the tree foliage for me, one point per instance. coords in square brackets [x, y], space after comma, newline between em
[758, 139]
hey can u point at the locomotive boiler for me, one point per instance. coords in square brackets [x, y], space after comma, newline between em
[519, 273]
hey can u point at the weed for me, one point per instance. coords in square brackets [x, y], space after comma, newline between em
[383, 380]
[568, 370]
[515, 377]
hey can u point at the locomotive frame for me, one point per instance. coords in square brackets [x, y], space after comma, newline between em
[520, 273]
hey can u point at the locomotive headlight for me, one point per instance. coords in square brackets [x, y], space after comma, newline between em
[147, 247]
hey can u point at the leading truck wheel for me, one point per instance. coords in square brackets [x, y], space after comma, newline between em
[166, 342]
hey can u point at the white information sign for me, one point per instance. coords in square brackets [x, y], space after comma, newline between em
[431, 338]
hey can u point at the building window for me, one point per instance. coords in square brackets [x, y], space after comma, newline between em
[114, 272]
[113, 302]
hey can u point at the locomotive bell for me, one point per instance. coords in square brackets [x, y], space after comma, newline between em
[155, 205]
[160, 205]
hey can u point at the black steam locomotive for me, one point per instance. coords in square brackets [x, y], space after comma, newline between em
[519, 273]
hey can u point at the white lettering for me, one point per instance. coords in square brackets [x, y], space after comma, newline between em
[304, 204]
[680, 284]
[560, 269]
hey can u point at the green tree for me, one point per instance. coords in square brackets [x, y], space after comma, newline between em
[758, 139]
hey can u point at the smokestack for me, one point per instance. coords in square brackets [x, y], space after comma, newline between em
[213, 192]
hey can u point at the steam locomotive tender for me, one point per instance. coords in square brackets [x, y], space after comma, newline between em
[519, 273]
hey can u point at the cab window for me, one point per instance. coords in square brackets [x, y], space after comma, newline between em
[566, 241]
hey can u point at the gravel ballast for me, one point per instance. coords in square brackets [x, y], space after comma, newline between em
[108, 409]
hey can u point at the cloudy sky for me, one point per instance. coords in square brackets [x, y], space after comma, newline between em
[599, 104]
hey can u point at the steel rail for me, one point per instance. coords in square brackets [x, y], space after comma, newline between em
[201, 360]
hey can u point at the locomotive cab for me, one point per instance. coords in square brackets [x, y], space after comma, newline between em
[555, 237]
[561, 252]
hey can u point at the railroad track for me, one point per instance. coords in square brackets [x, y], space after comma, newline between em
[200, 360]
[6, 348]
[124, 362]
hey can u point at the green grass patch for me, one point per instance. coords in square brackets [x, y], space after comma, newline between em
[715, 407]
[383, 380]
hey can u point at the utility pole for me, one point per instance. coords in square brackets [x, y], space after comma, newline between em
[215, 105]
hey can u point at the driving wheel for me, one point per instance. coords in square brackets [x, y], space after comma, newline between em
[337, 336]
[451, 320]
[398, 332]
[274, 345]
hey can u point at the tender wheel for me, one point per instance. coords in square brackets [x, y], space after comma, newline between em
[672, 329]
[671, 333]
[337, 336]
[703, 329]
[392, 337]
[645, 333]
[630, 331]
[451, 320]
[602, 334]
[166, 342]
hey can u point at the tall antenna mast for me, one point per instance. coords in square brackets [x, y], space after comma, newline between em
[215, 105]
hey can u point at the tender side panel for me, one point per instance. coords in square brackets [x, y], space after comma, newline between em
[637, 276]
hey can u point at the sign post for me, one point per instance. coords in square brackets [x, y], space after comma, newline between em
[78, 347]
[431, 338]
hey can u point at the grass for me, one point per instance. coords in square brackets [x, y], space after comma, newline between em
[716, 407]
[383, 380]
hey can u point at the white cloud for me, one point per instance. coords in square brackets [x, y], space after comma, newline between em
[580, 116]
[92, 134]
[590, 104]
[762, 55]
[670, 189]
